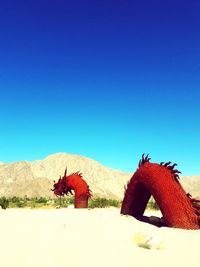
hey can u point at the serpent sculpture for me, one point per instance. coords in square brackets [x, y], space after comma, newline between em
[179, 210]
[76, 183]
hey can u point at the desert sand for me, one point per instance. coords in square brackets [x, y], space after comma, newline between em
[97, 237]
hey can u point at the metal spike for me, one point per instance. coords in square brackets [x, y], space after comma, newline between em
[193, 200]
[65, 174]
[196, 206]
[148, 158]
[174, 165]
[170, 168]
[167, 163]
[176, 171]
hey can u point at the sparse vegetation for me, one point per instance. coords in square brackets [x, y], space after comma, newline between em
[4, 202]
[62, 202]
[41, 202]
[152, 204]
[103, 203]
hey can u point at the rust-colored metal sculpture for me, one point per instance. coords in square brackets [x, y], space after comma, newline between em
[76, 183]
[161, 181]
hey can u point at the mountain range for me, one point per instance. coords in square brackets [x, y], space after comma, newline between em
[36, 178]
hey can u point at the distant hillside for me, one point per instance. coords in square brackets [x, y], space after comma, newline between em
[35, 179]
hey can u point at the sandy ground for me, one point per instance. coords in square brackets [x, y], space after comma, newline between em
[98, 237]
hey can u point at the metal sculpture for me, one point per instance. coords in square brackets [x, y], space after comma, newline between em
[76, 183]
[162, 182]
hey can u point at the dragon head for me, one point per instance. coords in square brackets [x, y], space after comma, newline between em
[61, 187]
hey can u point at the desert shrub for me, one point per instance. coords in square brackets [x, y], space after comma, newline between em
[71, 200]
[42, 200]
[103, 203]
[17, 202]
[152, 204]
[37, 202]
[63, 202]
[21, 203]
[4, 203]
[33, 202]
[14, 199]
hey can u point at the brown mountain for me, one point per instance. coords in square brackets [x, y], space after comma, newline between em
[35, 179]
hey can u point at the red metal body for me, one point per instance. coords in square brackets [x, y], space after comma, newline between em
[161, 181]
[76, 183]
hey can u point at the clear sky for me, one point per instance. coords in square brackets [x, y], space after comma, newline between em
[108, 80]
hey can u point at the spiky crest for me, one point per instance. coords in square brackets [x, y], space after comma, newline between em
[77, 173]
[144, 159]
[175, 172]
[65, 173]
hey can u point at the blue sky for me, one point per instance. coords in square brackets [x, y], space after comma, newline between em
[109, 80]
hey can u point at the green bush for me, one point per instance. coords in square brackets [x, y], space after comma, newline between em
[63, 202]
[103, 203]
[14, 199]
[4, 203]
[152, 204]
[42, 200]
[16, 202]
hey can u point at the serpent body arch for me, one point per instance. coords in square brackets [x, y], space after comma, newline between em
[162, 182]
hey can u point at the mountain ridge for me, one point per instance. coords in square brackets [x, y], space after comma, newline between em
[35, 178]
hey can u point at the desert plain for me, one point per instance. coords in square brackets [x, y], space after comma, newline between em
[92, 237]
